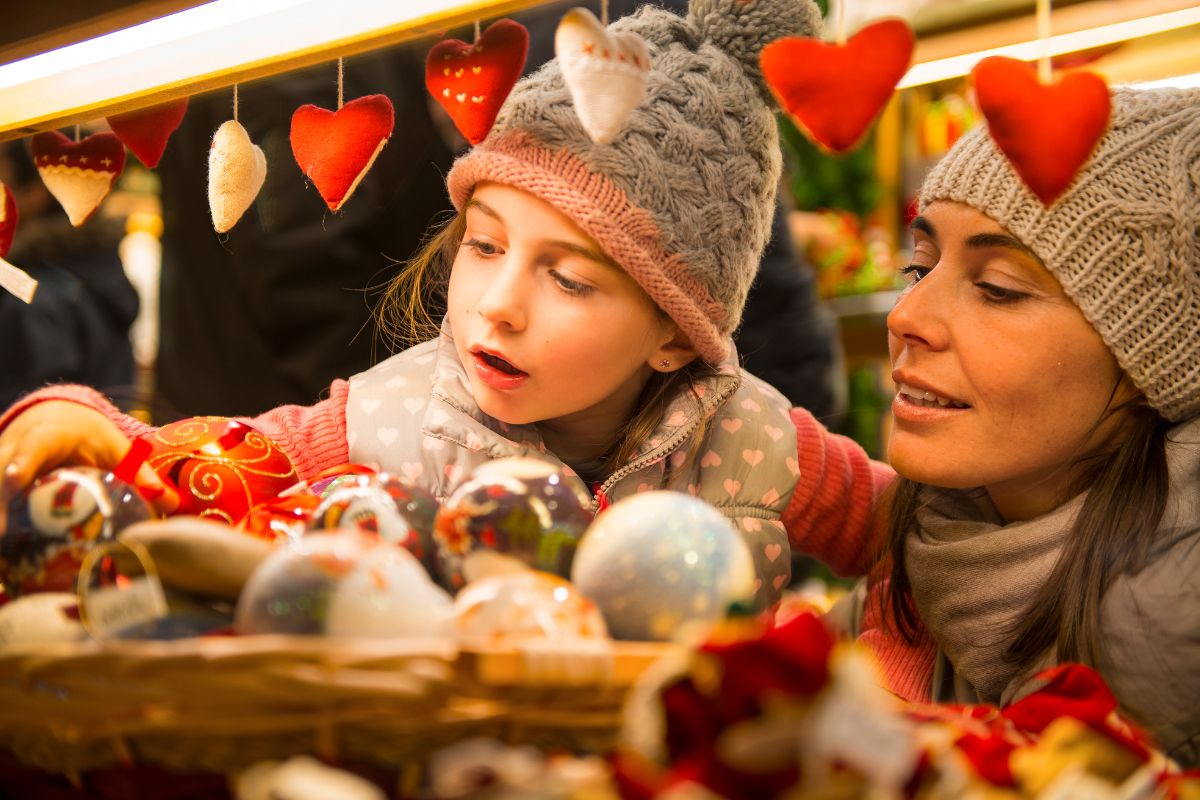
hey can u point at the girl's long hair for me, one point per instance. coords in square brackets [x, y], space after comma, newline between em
[406, 313]
[1127, 487]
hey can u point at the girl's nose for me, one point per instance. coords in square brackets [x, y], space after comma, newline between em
[503, 300]
[919, 317]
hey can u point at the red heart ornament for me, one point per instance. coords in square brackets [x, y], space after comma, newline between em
[832, 91]
[146, 131]
[78, 174]
[471, 81]
[336, 148]
[8, 219]
[1047, 132]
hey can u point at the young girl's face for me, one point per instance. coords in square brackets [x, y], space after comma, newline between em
[550, 330]
[999, 377]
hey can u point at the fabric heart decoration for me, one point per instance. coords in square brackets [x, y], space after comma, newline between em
[336, 148]
[1047, 132]
[606, 72]
[236, 171]
[834, 92]
[8, 218]
[78, 174]
[12, 279]
[146, 131]
[471, 81]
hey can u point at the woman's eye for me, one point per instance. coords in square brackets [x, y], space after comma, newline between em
[998, 294]
[914, 273]
[482, 248]
[569, 286]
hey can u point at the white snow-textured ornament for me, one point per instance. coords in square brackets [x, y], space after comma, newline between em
[236, 171]
[606, 72]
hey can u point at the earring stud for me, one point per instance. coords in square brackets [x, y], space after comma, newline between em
[665, 364]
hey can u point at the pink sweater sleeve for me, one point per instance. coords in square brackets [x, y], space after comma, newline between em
[314, 437]
[832, 511]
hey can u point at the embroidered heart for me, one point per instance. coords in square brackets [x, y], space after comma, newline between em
[606, 72]
[351, 439]
[396, 382]
[474, 442]
[8, 219]
[471, 81]
[793, 466]
[732, 487]
[757, 585]
[770, 498]
[752, 523]
[677, 419]
[752, 457]
[773, 432]
[645, 487]
[832, 91]
[78, 174]
[693, 490]
[336, 148]
[778, 581]
[453, 472]
[750, 405]
[772, 551]
[710, 459]
[387, 436]
[414, 404]
[1046, 132]
[237, 169]
[677, 458]
[146, 131]
[370, 405]
[731, 425]
[411, 470]
[433, 444]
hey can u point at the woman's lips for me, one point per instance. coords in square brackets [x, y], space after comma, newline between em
[905, 409]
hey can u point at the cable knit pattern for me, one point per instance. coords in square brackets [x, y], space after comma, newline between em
[700, 157]
[1122, 240]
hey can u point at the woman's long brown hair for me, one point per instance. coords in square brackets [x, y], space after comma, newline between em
[403, 315]
[1127, 487]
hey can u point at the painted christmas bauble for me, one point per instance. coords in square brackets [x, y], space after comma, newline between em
[398, 511]
[38, 618]
[389, 594]
[522, 604]
[280, 518]
[657, 561]
[221, 467]
[510, 509]
[53, 523]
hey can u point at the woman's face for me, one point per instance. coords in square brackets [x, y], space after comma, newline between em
[548, 328]
[1000, 380]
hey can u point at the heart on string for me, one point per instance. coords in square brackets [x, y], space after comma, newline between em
[236, 171]
[78, 174]
[8, 219]
[145, 132]
[606, 72]
[834, 92]
[1047, 132]
[471, 81]
[336, 148]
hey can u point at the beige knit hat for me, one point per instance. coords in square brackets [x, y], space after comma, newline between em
[683, 197]
[1123, 240]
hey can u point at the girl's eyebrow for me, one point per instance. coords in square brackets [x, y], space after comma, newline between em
[590, 253]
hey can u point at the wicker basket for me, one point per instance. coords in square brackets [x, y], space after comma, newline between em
[220, 704]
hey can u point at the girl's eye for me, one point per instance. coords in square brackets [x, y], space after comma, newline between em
[998, 294]
[482, 248]
[569, 286]
[913, 273]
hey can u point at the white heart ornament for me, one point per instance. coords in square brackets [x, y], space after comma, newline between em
[606, 72]
[236, 171]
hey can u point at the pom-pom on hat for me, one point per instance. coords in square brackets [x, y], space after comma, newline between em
[682, 197]
[1123, 239]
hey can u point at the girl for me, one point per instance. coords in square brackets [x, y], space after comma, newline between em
[592, 292]
[1047, 368]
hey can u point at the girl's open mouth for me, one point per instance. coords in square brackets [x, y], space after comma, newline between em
[499, 363]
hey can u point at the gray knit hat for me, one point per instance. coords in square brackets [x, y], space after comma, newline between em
[1123, 240]
[683, 197]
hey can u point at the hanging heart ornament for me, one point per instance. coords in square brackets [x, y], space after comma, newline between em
[236, 171]
[78, 174]
[1047, 131]
[605, 71]
[471, 81]
[8, 218]
[834, 92]
[336, 148]
[146, 132]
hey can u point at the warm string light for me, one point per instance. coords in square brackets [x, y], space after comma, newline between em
[1043, 33]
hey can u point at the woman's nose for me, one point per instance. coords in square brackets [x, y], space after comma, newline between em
[919, 317]
[503, 300]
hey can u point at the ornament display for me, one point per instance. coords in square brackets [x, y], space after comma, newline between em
[1047, 132]
[658, 560]
[237, 169]
[220, 466]
[280, 518]
[605, 71]
[336, 148]
[40, 618]
[8, 218]
[78, 174]
[471, 81]
[146, 131]
[834, 92]
[56, 520]
[525, 604]
[510, 511]
[399, 512]
[342, 583]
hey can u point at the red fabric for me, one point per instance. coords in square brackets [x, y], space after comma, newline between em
[8, 220]
[147, 130]
[1047, 132]
[99, 157]
[471, 81]
[336, 148]
[834, 91]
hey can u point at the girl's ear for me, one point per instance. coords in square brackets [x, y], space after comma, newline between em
[674, 353]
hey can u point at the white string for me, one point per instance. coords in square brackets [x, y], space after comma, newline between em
[476, 30]
[76, 133]
[840, 21]
[604, 13]
[341, 71]
[1043, 33]
[235, 102]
